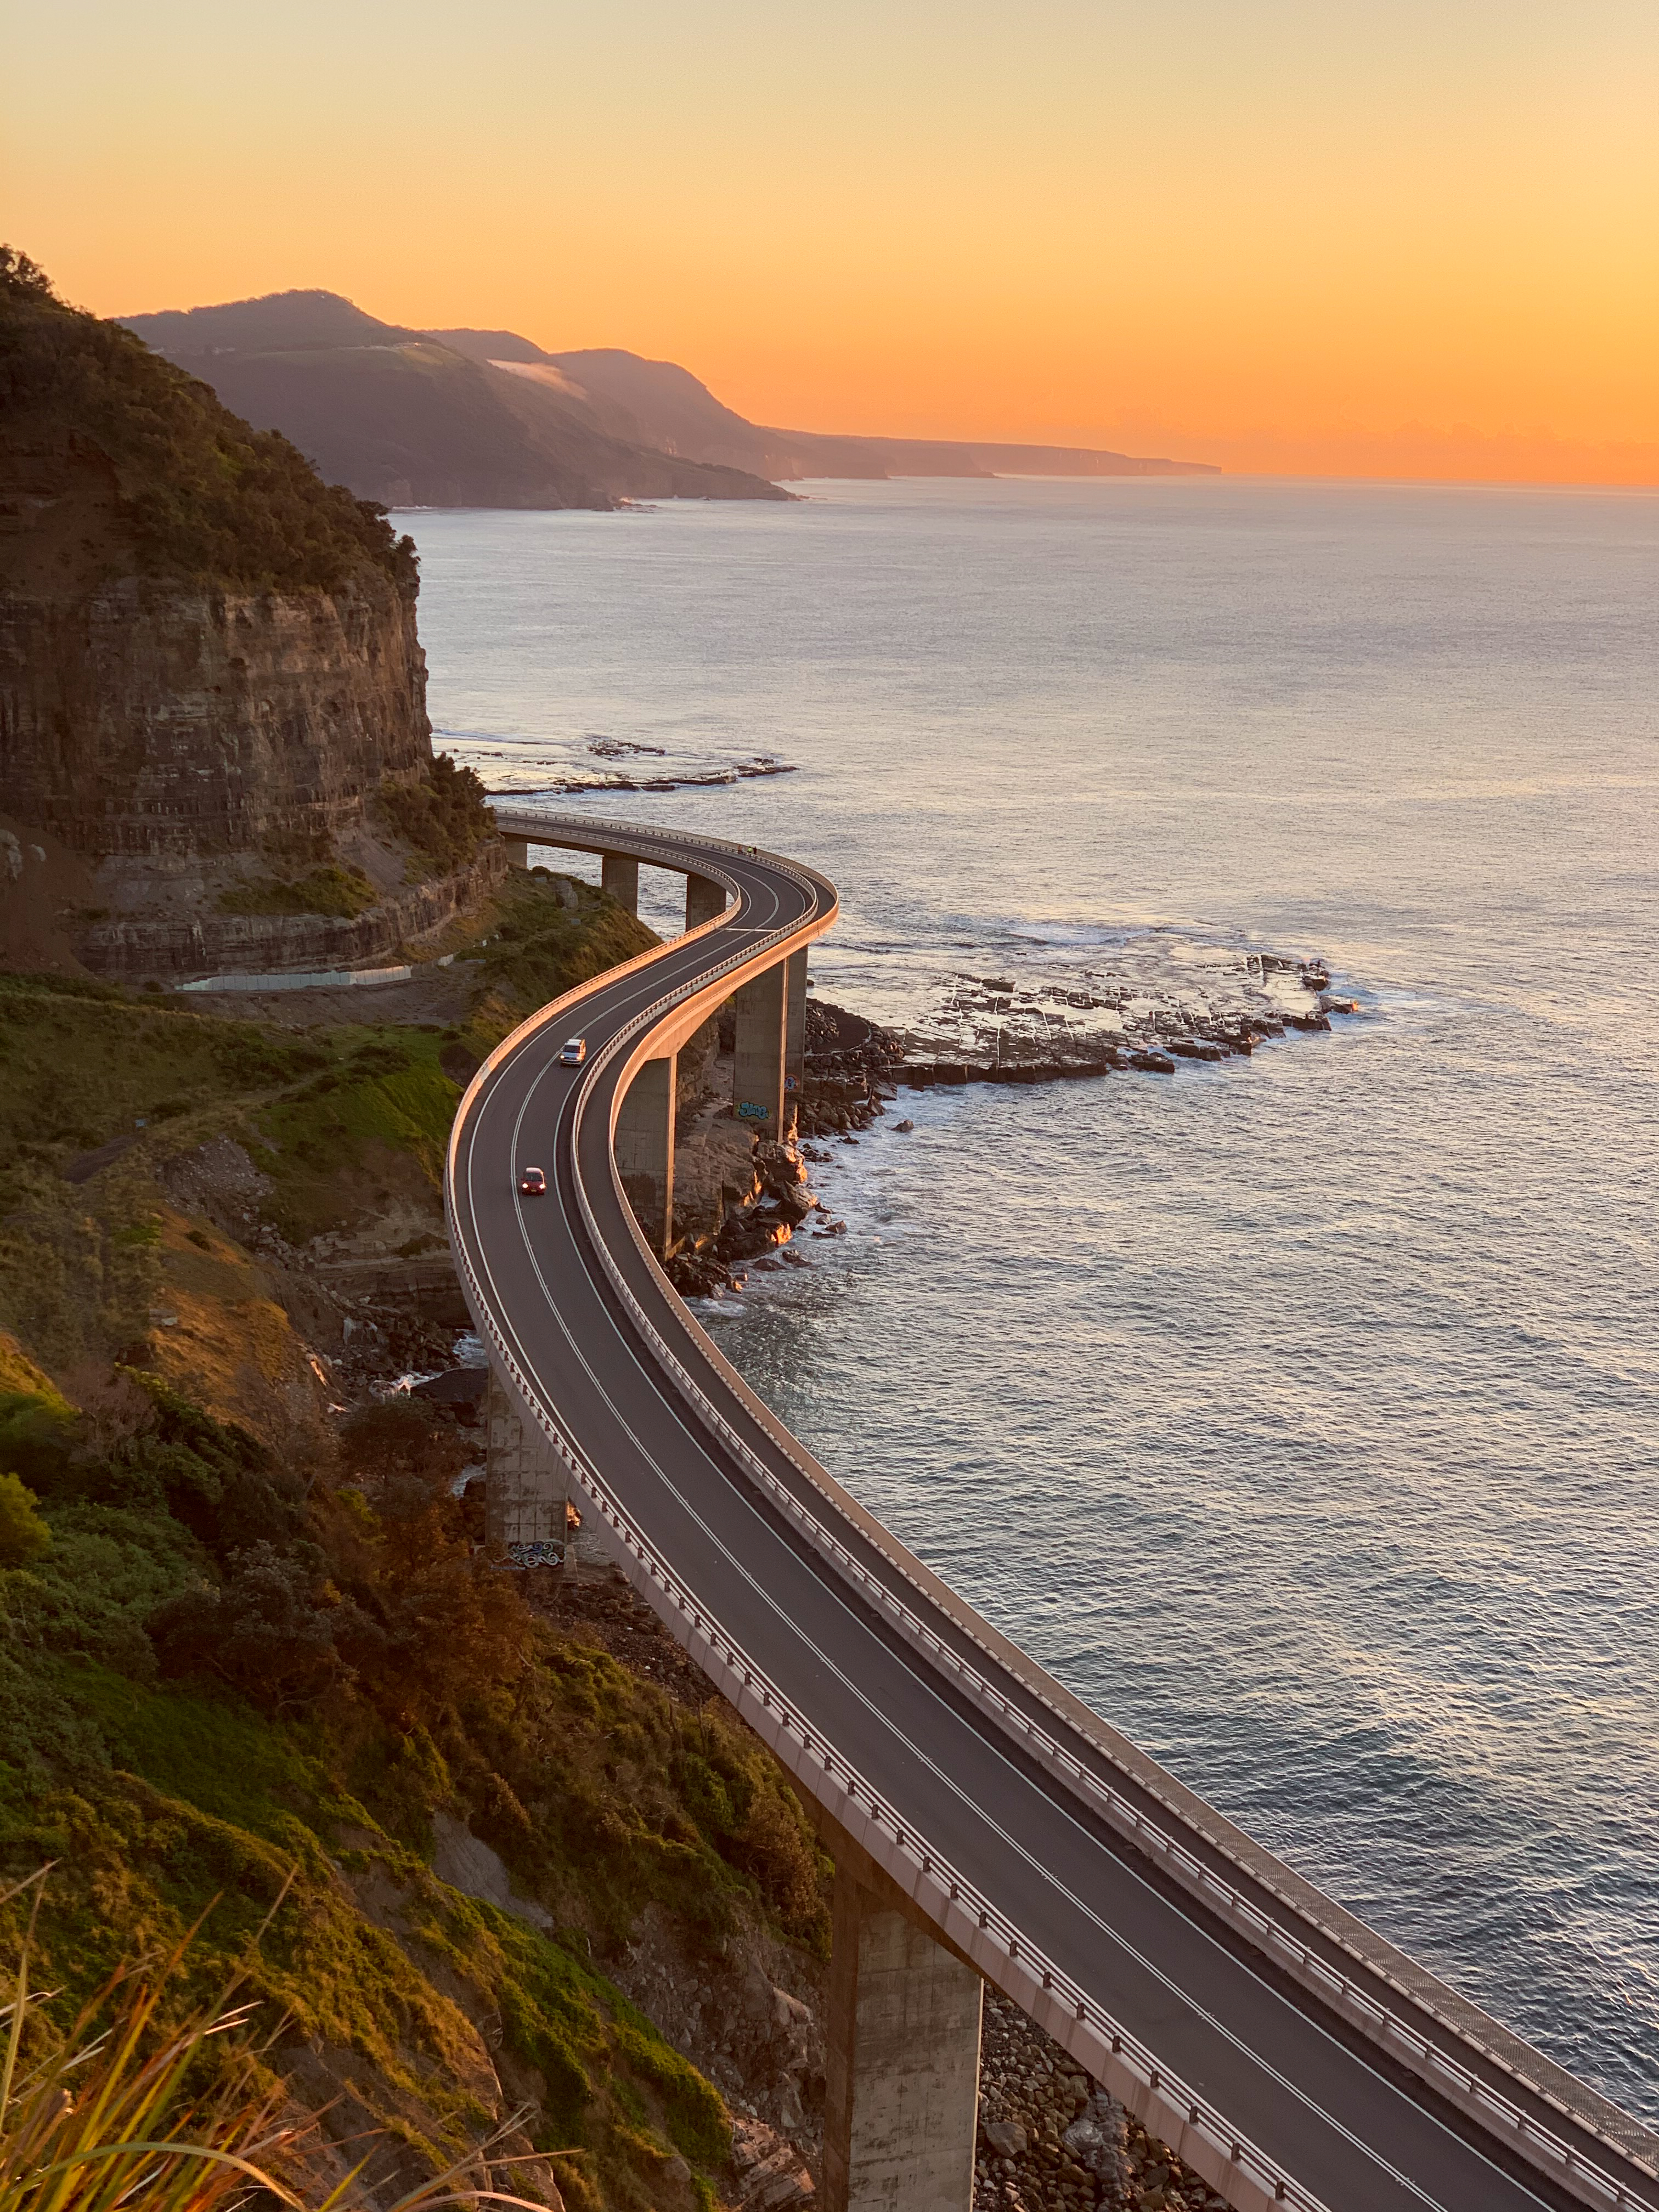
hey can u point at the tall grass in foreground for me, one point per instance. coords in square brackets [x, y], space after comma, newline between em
[134, 2117]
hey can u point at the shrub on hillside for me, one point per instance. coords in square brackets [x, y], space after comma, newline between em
[541, 948]
[24, 1535]
[33, 1434]
[445, 816]
[343, 892]
[162, 2101]
[349, 1602]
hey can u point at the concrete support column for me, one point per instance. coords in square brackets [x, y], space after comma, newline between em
[620, 878]
[518, 852]
[758, 1061]
[795, 1036]
[526, 1486]
[705, 900]
[645, 1150]
[903, 2063]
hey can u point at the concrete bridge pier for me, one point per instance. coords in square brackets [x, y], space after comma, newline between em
[526, 1487]
[759, 1051]
[518, 852]
[902, 2105]
[619, 876]
[794, 1036]
[705, 900]
[645, 1150]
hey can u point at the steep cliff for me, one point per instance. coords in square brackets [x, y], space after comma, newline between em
[211, 677]
[144, 716]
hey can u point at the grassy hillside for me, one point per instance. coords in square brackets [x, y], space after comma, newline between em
[220, 1672]
[239, 1648]
[337, 1121]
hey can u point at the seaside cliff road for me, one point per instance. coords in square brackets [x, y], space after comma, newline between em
[1286, 2050]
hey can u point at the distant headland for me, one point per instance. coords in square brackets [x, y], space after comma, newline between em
[487, 418]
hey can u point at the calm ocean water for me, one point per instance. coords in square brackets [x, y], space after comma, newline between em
[1302, 1413]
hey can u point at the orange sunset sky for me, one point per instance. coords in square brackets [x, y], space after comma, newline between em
[1411, 239]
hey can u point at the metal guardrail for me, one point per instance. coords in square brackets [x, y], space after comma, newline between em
[1467, 2088]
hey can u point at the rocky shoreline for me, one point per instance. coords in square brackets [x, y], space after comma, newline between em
[991, 1029]
[693, 779]
[743, 1215]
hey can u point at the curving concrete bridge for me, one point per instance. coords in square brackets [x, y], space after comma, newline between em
[983, 1821]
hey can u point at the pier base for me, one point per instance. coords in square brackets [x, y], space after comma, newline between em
[902, 2063]
[518, 852]
[526, 1487]
[794, 1036]
[619, 878]
[645, 1150]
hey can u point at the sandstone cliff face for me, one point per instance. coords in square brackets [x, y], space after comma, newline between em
[148, 717]
[209, 669]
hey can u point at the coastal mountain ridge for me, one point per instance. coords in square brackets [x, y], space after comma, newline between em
[488, 418]
[669, 407]
[399, 416]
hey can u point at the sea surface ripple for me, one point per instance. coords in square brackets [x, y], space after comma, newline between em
[1302, 1413]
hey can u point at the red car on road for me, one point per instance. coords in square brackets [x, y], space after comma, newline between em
[532, 1182]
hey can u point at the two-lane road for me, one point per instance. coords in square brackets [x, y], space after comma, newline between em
[560, 1287]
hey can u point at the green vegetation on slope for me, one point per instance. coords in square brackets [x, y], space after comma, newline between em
[222, 1665]
[81, 1062]
[338, 1121]
[225, 1668]
[444, 818]
[203, 496]
[543, 947]
[83, 1067]
[346, 892]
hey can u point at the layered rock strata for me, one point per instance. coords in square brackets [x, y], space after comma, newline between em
[150, 717]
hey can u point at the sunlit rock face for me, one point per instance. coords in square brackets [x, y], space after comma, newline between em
[182, 738]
